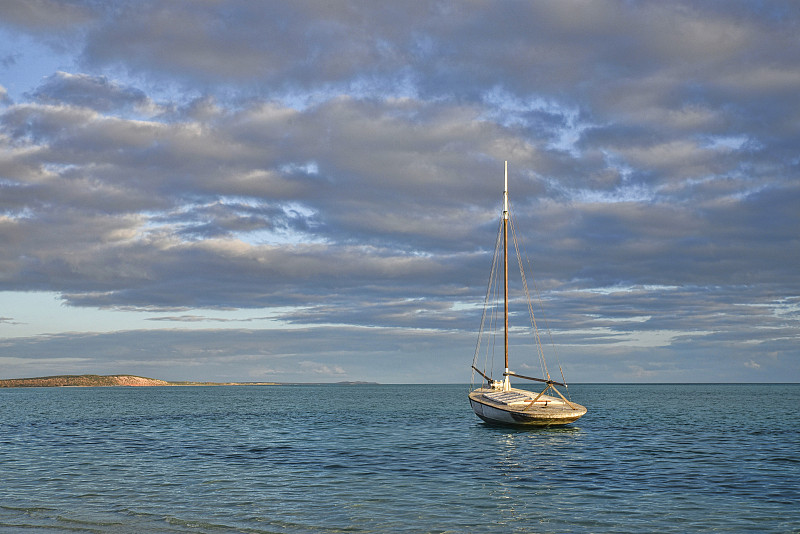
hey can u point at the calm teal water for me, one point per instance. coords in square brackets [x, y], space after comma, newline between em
[646, 458]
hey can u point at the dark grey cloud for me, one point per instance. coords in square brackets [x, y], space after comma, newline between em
[95, 92]
[344, 160]
[45, 15]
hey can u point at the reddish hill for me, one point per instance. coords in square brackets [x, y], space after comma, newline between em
[81, 381]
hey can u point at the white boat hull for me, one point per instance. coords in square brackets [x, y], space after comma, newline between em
[547, 411]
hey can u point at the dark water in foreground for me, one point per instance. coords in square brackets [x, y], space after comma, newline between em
[646, 458]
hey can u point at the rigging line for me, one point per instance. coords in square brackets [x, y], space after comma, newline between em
[482, 329]
[483, 320]
[547, 327]
[491, 344]
[540, 349]
[542, 360]
[490, 306]
[546, 324]
[485, 307]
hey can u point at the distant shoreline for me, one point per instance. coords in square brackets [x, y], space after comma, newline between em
[124, 381]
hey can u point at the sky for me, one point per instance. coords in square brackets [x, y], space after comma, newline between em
[309, 191]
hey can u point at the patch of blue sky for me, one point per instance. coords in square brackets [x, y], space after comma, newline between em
[466, 306]
[510, 110]
[25, 63]
[286, 235]
[621, 288]
[616, 162]
[182, 219]
[633, 193]
[641, 339]
[59, 168]
[310, 168]
[625, 191]
[401, 86]
[295, 209]
[276, 237]
[231, 200]
[31, 314]
[726, 143]
[204, 318]
[631, 319]
[25, 213]
[787, 309]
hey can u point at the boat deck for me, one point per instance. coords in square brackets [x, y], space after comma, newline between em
[517, 398]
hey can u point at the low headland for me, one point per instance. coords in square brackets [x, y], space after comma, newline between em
[107, 381]
[89, 381]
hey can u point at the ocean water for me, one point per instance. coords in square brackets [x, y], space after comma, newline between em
[396, 458]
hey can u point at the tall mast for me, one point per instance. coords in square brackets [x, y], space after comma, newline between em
[506, 384]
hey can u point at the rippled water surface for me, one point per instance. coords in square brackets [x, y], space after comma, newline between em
[646, 458]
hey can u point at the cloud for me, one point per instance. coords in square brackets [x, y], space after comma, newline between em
[44, 15]
[213, 208]
[322, 369]
[203, 319]
[95, 92]
[4, 98]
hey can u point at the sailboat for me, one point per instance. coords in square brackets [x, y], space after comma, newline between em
[496, 401]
